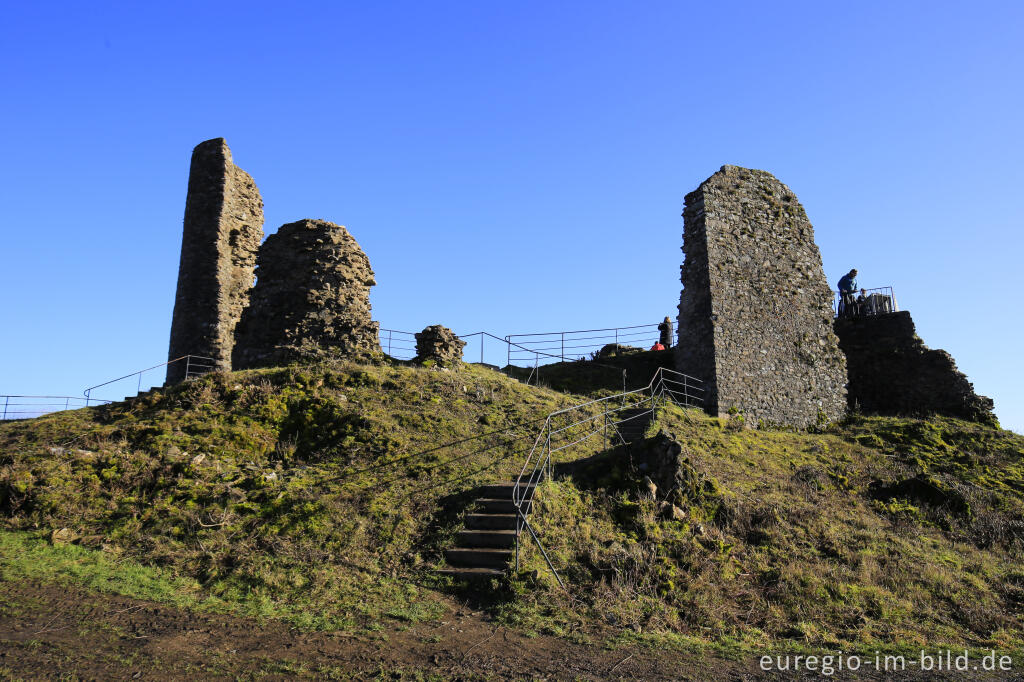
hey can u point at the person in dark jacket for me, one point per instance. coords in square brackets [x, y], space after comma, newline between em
[666, 333]
[847, 289]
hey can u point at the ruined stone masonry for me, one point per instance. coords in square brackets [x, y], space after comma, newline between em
[755, 314]
[440, 344]
[222, 233]
[892, 372]
[311, 299]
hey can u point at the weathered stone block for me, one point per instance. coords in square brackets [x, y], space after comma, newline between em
[755, 314]
[311, 299]
[222, 233]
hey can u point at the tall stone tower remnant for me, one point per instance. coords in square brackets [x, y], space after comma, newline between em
[222, 234]
[755, 313]
[311, 299]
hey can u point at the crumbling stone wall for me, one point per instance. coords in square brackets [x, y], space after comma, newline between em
[440, 344]
[892, 372]
[311, 299]
[755, 313]
[222, 233]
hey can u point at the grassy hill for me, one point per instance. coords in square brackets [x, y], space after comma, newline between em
[324, 496]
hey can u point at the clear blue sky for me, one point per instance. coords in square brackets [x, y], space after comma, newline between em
[507, 166]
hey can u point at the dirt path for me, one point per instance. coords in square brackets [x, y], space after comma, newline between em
[57, 632]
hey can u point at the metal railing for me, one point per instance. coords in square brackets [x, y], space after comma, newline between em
[530, 350]
[195, 366]
[398, 344]
[877, 301]
[573, 426]
[31, 406]
[576, 344]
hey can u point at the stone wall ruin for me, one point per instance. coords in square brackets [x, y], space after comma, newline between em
[755, 313]
[892, 372]
[311, 299]
[440, 344]
[222, 232]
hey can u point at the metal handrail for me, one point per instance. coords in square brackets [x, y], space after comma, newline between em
[69, 401]
[195, 365]
[523, 491]
[519, 347]
[887, 291]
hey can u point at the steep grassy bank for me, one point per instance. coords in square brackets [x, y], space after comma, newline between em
[323, 495]
[881, 532]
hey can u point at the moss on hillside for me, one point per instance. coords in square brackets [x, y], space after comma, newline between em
[794, 536]
[325, 495]
[329, 490]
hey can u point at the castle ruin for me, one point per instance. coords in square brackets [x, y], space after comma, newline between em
[892, 372]
[312, 284]
[222, 233]
[755, 313]
[311, 299]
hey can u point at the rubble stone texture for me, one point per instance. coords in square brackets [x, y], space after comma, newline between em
[311, 299]
[439, 344]
[222, 233]
[892, 372]
[755, 314]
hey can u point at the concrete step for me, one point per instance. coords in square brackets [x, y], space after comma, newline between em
[465, 573]
[503, 491]
[477, 557]
[486, 538]
[490, 505]
[486, 521]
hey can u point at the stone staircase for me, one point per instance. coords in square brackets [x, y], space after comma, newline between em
[487, 545]
[634, 423]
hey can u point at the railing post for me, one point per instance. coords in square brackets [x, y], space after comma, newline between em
[508, 354]
[138, 386]
[188, 365]
[87, 391]
[547, 451]
[389, 342]
[563, 347]
[519, 529]
[481, 348]
[7, 400]
[605, 429]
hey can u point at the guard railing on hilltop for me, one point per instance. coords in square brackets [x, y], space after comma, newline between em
[31, 406]
[562, 346]
[877, 301]
[573, 426]
[195, 366]
[532, 350]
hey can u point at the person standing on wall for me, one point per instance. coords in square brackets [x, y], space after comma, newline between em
[666, 333]
[847, 288]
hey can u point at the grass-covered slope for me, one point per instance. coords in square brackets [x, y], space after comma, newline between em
[323, 495]
[320, 494]
[879, 532]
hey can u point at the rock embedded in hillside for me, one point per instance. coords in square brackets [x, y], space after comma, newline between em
[311, 299]
[63, 536]
[440, 344]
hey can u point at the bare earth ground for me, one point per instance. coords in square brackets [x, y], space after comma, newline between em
[59, 632]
